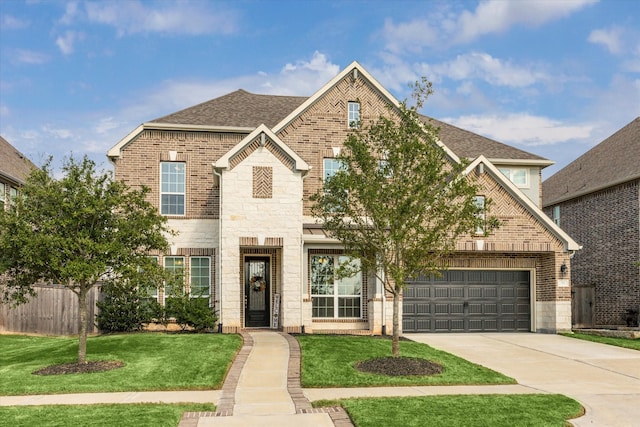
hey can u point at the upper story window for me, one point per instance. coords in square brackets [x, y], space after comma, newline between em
[331, 167]
[479, 201]
[172, 188]
[556, 215]
[519, 176]
[354, 115]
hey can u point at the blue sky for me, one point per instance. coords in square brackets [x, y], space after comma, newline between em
[551, 77]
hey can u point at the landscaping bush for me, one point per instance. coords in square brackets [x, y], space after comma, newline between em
[191, 311]
[124, 308]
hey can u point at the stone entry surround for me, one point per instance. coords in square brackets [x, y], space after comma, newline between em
[263, 388]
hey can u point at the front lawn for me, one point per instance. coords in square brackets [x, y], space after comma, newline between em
[631, 343]
[121, 415]
[539, 410]
[328, 361]
[153, 361]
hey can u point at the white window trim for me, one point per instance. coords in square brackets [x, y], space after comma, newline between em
[511, 172]
[208, 258]
[336, 296]
[556, 215]
[480, 230]
[183, 194]
[353, 124]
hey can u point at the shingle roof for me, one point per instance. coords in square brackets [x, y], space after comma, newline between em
[237, 109]
[244, 109]
[614, 161]
[14, 166]
[471, 145]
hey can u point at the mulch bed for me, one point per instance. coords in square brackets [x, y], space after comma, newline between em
[80, 368]
[399, 366]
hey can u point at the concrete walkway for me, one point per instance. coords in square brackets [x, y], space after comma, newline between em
[605, 379]
[263, 384]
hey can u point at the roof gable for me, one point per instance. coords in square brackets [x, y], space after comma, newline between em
[262, 137]
[482, 164]
[614, 161]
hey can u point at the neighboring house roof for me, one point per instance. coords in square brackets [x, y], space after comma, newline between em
[14, 166]
[614, 161]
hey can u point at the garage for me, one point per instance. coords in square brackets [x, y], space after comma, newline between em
[468, 301]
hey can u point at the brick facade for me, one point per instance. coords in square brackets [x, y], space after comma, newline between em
[607, 224]
[256, 202]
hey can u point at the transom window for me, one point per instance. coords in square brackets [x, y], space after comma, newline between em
[332, 297]
[172, 188]
[519, 176]
[200, 277]
[354, 115]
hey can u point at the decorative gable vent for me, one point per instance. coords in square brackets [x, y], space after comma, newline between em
[262, 182]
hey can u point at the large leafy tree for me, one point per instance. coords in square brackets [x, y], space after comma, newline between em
[77, 231]
[398, 201]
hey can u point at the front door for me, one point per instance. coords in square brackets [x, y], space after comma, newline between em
[256, 291]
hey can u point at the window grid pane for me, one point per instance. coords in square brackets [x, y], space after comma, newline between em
[200, 276]
[172, 187]
[328, 292]
[176, 266]
[353, 114]
[322, 307]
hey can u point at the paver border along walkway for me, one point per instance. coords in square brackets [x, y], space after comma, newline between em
[338, 415]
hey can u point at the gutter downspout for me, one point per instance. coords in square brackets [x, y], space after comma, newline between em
[302, 261]
[219, 251]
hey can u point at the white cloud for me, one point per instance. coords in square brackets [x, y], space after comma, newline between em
[496, 16]
[185, 17]
[8, 22]
[57, 132]
[67, 41]
[70, 14]
[608, 38]
[22, 56]
[477, 65]
[445, 28]
[523, 128]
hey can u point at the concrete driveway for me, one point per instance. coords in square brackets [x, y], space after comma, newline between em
[605, 379]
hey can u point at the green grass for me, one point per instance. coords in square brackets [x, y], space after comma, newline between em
[631, 343]
[153, 361]
[121, 415]
[539, 410]
[328, 361]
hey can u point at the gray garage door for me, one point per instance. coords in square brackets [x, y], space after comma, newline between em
[468, 301]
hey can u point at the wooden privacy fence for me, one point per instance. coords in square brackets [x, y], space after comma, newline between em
[54, 311]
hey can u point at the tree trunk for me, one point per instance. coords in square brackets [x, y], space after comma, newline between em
[82, 332]
[395, 342]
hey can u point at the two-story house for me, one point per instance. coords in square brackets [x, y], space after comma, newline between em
[234, 175]
[596, 199]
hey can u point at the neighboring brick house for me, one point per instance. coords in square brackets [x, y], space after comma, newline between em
[596, 200]
[14, 170]
[234, 176]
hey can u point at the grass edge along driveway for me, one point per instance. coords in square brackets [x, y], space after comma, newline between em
[630, 343]
[153, 361]
[328, 361]
[498, 410]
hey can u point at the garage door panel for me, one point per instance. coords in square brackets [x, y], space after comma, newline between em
[468, 300]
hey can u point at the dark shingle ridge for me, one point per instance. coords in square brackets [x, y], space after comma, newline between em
[613, 161]
[237, 109]
[245, 109]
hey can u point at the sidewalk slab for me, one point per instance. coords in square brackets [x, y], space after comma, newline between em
[297, 420]
[196, 396]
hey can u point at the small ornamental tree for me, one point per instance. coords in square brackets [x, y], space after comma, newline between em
[76, 231]
[398, 201]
